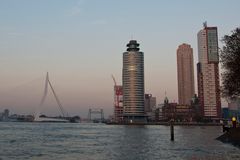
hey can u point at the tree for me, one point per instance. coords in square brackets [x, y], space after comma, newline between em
[230, 60]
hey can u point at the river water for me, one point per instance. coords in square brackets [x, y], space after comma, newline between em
[85, 141]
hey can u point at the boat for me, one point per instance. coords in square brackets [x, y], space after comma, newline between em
[49, 119]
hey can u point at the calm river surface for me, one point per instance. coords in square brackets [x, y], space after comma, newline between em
[51, 141]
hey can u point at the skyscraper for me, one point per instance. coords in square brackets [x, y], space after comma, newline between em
[185, 74]
[133, 83]
[208, 72]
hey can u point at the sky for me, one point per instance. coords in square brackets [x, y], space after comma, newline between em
[80, 43]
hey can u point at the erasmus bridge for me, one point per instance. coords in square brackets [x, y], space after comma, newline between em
[64, 114]
[16, 100]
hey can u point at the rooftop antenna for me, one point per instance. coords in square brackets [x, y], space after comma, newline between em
[205, 24]
[166, 99]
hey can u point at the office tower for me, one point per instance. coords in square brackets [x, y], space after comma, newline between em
[208, 73]
[185, 73]
[133, 83]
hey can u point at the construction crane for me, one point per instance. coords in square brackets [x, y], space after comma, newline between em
[116, 92]
[114, 80]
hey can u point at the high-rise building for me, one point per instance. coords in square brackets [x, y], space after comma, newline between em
[133, 83]
[185, 73]
[208, 72]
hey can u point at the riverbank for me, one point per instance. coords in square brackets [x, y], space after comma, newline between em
[231, 136]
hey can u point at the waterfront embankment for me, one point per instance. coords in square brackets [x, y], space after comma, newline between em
[231, 136]
[167, 123]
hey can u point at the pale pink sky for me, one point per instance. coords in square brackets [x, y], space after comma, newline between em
[80, 43]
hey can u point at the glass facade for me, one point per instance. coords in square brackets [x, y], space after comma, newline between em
[212, 42]
[133, 81]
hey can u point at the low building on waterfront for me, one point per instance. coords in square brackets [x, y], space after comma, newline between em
[180, 113]
[159, 113]
[4, 116]
[150, 106]
[1, 116]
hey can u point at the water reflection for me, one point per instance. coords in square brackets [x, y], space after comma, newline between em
[100, 142]
[134, 143]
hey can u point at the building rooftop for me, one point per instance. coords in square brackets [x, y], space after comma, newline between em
[132, 46]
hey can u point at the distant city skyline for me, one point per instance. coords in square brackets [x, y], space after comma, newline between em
[80, 44]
